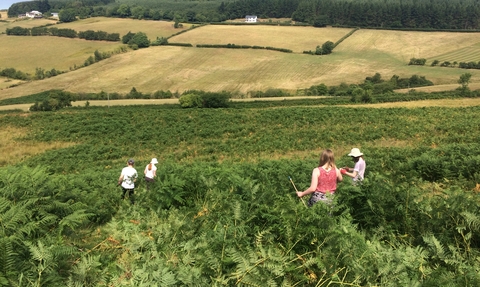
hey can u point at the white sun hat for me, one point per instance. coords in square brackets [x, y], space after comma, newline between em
[154, 161]
[355, 152]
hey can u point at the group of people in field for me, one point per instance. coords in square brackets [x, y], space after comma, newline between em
[323, 184]
[129, 176]
[326, 175]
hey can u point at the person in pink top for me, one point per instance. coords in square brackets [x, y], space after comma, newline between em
[324, 179]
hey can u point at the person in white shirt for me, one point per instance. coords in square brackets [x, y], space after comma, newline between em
[358, 171]
[150, 172]
[127, 180]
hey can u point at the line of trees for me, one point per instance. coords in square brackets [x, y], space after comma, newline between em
[421, 14]
[63, 32]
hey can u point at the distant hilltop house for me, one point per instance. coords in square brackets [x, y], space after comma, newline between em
[54, 15]
[31, 14]
[251, 19]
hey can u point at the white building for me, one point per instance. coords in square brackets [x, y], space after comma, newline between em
[34, 14]
[251, 19]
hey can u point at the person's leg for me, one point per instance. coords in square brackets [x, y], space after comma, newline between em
[132, 195]
[316, 196]
[124, 191]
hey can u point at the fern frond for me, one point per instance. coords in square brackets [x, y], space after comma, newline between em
[435, 245]
[7, 255]
[473, 220]
[73, 220]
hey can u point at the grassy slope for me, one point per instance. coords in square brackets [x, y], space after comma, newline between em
[24, 23]
[297, 39]
[153, 29]
[177, 69]
[28, 53]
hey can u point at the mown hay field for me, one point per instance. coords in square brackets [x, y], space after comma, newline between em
[3, 15]
[153, 29]
[363, 54]
[297, 39]
[464, 54]
[6, 82]
[26, 53]
[23, 22]
[390, 52]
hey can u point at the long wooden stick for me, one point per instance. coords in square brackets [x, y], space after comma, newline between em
[296, 190]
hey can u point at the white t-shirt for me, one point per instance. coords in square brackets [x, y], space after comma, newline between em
[360, 169]
[129, 176]
[149, 173]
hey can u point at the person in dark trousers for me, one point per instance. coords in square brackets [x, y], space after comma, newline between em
[127, 180]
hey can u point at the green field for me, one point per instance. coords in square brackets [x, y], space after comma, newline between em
[363, 54]
[223, 212]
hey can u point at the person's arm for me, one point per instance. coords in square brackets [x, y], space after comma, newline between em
[339, 175]
[346, 171]
[120, 179]
[145, 171]
[313, 184]
[351, 174]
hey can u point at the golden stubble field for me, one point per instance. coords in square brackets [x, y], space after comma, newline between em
[152, 29]
[23, 22]
[172, 68]
[297, 39]
[26, 53]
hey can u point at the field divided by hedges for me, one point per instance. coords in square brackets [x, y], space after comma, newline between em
[361, 55]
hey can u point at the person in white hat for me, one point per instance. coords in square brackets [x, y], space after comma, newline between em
[150, 171]
[358, 171]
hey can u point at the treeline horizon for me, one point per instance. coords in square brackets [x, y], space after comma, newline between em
[422, 14]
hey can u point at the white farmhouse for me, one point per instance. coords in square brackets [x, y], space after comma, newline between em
[34, 14]
[251, 19]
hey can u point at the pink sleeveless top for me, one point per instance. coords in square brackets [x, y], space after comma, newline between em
[327, 181]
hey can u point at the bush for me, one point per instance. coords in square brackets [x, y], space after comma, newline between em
[140, 39]
[215, 100]
[18, 31]
[190, 101]
[55, 100]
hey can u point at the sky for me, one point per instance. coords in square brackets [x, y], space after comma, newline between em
[5, 4]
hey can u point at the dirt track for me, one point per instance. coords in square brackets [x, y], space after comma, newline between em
[452, 103]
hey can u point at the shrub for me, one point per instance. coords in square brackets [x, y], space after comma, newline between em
[55, 100]
[215, 100]
[190, 101]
